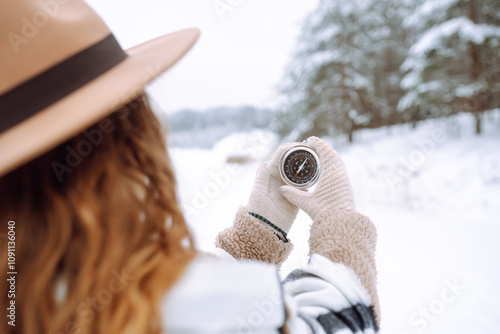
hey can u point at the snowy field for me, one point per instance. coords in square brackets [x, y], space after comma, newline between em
[433, 193]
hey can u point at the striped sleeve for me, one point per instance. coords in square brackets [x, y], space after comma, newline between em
[326, 297]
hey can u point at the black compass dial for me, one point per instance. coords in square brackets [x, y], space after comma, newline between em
[300, 167]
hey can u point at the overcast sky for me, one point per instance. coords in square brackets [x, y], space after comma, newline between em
[238, 59]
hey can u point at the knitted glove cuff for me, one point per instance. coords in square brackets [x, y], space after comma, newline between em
[348, 238]
[248, 238]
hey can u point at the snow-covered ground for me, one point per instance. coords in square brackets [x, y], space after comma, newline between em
[433, 193]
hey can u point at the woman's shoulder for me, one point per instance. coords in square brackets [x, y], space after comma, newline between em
[218, 293]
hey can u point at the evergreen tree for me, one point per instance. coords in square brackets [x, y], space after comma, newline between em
[345, 74]
[454, 62]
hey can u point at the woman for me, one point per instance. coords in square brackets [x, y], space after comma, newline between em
[95, 241]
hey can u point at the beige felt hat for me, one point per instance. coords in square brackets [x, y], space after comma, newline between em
[61, 70]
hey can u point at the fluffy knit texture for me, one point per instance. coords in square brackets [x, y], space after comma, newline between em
[248, 238]
[348, 238]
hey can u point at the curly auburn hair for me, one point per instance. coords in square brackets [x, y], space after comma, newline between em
[99, 235]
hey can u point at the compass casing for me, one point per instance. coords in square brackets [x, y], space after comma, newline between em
[299, 149]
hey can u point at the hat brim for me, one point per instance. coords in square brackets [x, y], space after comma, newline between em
[93, 101]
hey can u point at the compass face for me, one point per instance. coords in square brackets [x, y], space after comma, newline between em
[300, 166]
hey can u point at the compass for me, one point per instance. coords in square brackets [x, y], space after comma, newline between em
[300, 166]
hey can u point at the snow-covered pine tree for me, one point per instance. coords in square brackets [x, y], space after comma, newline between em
[345, 74]
[454, 62]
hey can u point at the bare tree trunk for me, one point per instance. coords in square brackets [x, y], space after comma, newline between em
[475, 67]
[414, 117]
[478, 116]
[345, 93]
[350, 135]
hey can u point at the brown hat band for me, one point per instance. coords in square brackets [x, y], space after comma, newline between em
[41, 91]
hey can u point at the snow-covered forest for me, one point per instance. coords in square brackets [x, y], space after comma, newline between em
[371, 63]
[368, 64]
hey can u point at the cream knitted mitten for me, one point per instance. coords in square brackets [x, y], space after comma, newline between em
[251, 238]
[333, 189]
[266, 199]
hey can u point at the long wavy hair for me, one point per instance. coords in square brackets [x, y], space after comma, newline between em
[99, 235]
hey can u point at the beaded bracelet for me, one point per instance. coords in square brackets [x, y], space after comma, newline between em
[270, 224]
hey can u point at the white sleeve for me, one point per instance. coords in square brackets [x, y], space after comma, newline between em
[327, 297]
[223, 295]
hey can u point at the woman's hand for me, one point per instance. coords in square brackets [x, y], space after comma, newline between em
[250, 237]
[266, 199]
[333, 190]
[338, 232]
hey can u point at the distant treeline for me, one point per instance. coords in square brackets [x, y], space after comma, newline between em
[191, 128]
